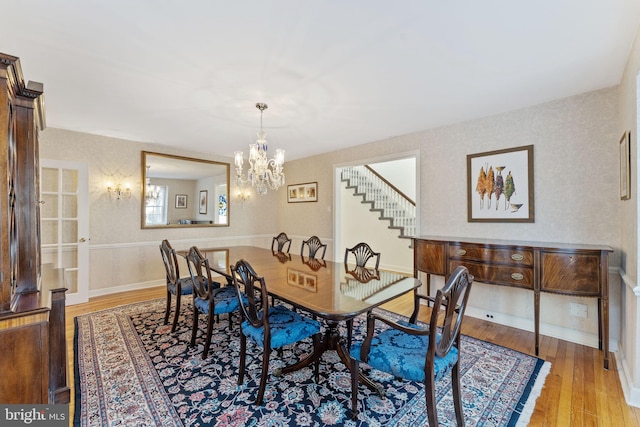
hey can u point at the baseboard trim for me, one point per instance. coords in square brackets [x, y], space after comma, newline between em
[126, 288]
[631, 393]
[554, 331]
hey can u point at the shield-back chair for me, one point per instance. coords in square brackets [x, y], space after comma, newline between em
[269, 327]
[176, 285]
[419, 353]
[209, 297]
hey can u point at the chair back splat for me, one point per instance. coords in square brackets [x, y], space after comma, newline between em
[198, 267]
[281, 243]
[313, 245]
[419, 353]
[362, 253]
[255, 290]
[176, 285]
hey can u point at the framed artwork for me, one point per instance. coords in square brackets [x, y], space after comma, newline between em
[500, 186]
[203, 201]
[306, 192]
[625, 165]
[181, 201]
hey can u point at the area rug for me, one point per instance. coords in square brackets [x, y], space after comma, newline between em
[130, 370]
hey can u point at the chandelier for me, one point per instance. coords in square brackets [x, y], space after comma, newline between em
[263, 173]
[152, 192]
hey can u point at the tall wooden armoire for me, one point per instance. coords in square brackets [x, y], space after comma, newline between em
[32, 321]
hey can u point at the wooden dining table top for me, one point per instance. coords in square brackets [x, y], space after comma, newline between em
[324, 288]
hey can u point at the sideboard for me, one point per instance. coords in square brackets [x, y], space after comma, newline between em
[567, 269]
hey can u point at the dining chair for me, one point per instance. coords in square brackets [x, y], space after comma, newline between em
[414, 352]
[176, 285]
[209, 297]
[313, 245]
[269, 327]
[361, 253]
[279, 242]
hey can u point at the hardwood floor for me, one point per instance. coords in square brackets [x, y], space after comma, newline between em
[577, 392]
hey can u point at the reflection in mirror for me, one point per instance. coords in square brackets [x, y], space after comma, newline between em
[183, 192]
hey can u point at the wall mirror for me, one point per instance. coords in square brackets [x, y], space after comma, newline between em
[183, 192]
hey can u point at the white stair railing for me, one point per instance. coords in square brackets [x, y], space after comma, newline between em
[393, 204]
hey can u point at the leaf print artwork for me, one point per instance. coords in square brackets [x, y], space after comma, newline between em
[492, 177]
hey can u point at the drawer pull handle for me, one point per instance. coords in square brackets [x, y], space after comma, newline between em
[461, 252]
[517, 276]
[517, 257]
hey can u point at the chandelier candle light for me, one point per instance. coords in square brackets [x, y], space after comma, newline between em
[263, 173]
[152, 192]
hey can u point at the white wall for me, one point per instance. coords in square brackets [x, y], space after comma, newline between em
[629, 356]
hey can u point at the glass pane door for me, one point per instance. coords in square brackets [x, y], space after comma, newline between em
[64, 224]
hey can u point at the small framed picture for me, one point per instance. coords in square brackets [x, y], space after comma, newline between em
[625, 164]
[306, 192]
[181, 201]
[203, 201]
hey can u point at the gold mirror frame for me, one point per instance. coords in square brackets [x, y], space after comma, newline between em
[187, 192]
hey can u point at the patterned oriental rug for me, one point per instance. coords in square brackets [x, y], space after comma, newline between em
[130, 370]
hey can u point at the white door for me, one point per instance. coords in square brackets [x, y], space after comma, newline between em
[64, 224]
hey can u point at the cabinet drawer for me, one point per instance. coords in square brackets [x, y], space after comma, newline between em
[521, 277]
[514, 256]
[429, 257]
[570, 273]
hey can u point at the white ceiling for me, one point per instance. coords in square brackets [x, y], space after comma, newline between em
[334, 73]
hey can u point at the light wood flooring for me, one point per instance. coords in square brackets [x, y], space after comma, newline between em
[577, 391]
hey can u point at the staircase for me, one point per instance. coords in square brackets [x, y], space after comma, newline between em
[391, 204]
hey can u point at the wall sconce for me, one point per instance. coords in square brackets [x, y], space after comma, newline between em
[118, 191]
[244, 196]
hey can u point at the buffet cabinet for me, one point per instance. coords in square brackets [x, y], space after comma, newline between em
[576, 270]
[32, 304]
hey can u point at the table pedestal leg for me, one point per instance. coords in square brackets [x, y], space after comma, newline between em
[332, 341]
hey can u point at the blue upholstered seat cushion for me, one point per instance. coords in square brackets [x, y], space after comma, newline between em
[286, 326]
[403, 355]
[226, 301]
[186, 287]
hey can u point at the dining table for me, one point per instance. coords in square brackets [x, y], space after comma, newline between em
[335, 292]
